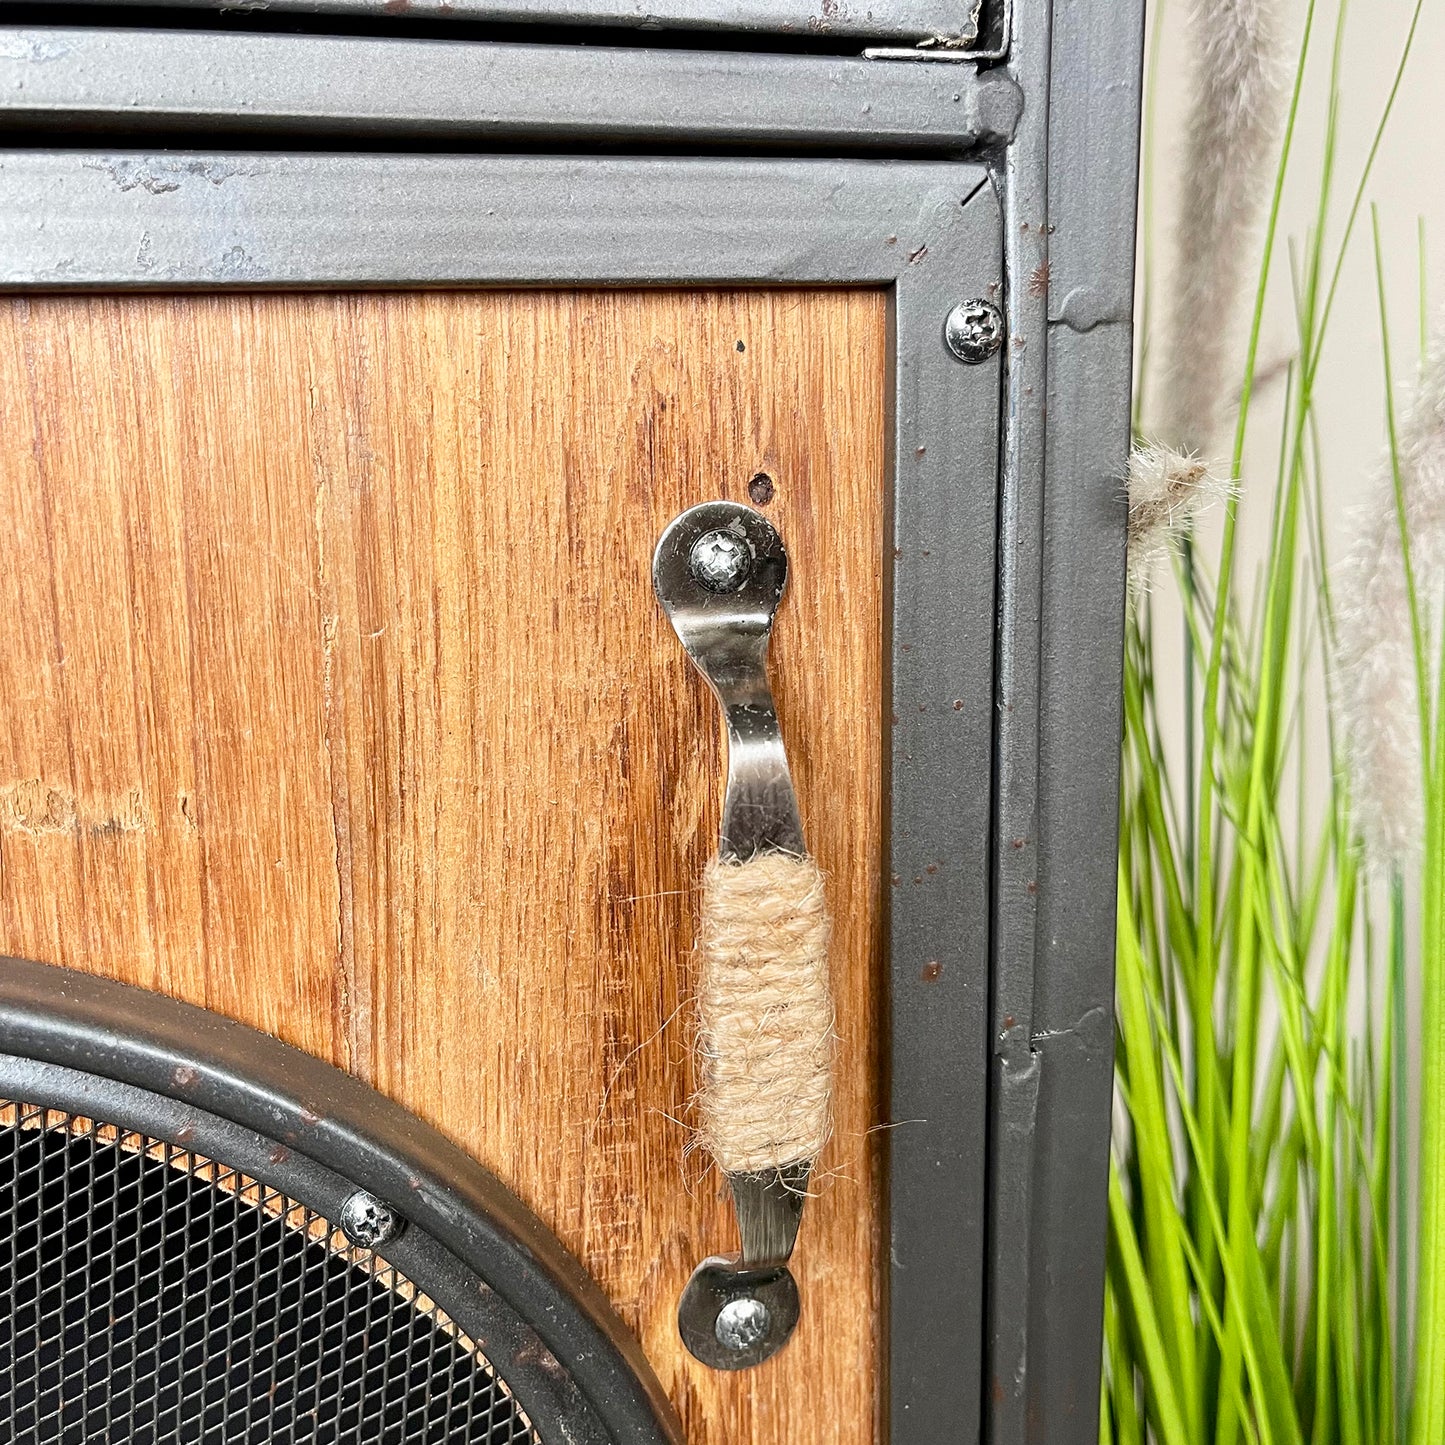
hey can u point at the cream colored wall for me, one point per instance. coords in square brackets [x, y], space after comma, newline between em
[1407, 183]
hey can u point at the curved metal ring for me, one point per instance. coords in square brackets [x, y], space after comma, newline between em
[145, 1061]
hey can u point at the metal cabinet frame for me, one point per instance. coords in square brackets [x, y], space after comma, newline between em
[1005, 598]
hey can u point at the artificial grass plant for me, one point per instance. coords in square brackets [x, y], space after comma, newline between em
[1263, 1241]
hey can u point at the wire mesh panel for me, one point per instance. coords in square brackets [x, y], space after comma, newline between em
[149, 1294]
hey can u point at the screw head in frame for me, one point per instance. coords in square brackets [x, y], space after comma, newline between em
[367, 1222]
[732, 1317]
[974, 330]
[741, 1323]
[720, 561]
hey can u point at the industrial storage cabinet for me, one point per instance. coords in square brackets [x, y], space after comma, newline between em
[354, 355]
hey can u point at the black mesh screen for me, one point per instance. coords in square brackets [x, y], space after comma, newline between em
[148, 1294]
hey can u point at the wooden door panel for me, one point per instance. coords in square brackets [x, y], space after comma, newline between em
[334, 696]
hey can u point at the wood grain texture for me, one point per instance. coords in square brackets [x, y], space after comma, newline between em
[334, 697]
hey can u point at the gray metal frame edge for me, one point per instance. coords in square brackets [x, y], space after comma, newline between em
[311, 85]
[1069, 181]
[948, 20]
[928, 231]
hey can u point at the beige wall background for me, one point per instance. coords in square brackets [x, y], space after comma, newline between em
[1407, 184]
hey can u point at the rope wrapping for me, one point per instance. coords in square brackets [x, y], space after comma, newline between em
[765, 1013]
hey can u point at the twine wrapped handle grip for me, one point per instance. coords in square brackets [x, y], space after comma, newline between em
[765, 1013]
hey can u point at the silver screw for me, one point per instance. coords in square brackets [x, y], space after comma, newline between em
[741, 1324]
[720, 561]
[367, 1222]
[974, 330]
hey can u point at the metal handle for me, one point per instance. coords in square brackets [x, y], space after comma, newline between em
[719, 572]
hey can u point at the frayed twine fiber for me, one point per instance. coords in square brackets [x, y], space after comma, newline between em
[765, 1014]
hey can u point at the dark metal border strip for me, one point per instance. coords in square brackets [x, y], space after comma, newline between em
[1068, 179]
[927, 231]
[436, 90]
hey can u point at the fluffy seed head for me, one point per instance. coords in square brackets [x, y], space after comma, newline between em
[1233, 123]
[1167, 489]
[1376, 688]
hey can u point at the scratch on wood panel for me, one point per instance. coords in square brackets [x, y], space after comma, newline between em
[354, 1000]
[33, 806]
